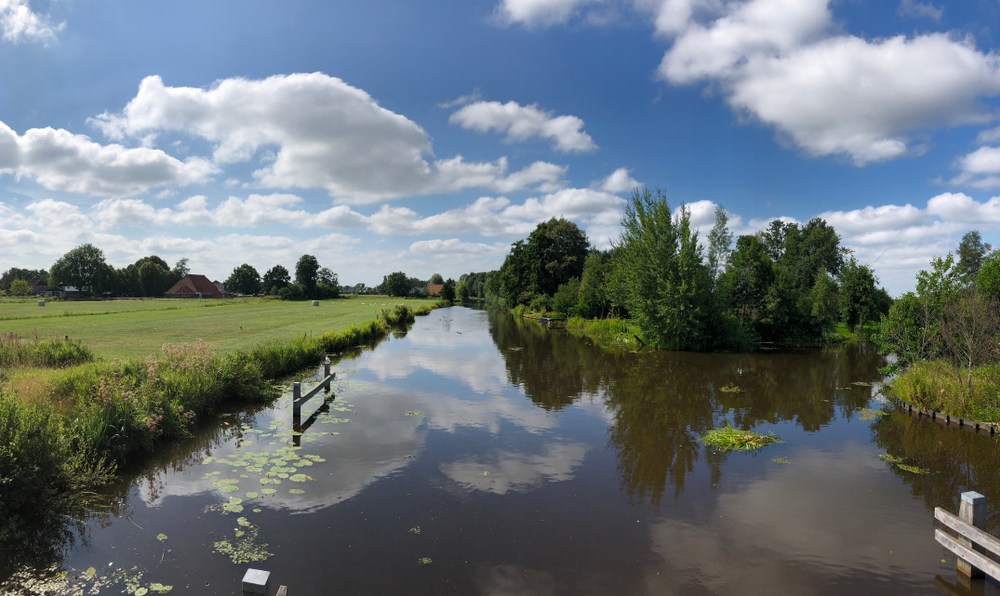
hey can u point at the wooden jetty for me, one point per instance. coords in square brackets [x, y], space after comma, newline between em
[972, 544]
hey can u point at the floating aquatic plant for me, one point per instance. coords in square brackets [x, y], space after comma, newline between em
[780, 460]
[730, 439]
[415, 530]
[246, 550]
[730, 388]
[296, 491]
[425, 561]
[897, 462]
[868, 414]
[416, 414]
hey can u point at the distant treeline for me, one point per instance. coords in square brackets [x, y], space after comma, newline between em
[788, 283]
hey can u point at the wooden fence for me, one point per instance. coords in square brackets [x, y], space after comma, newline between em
[972, 544]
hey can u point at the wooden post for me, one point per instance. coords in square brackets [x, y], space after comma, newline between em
[296, 396]
[973, 512]
[326, 374]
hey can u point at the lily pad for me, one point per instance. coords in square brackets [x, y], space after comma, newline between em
[243, 521]
[251, 495]
[296, 491]
[267, 491]
[160, 588]
[425, 561]
[161, 537]
[299, 478]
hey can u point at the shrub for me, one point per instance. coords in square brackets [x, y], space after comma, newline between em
[15, 351]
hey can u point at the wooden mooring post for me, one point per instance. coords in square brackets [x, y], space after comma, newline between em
[972, 544]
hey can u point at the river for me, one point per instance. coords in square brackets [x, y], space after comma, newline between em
[482, 454]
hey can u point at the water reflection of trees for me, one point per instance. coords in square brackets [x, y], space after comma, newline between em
[663, 401]
[958, 460]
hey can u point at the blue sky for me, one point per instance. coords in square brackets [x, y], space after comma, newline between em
[426, 137]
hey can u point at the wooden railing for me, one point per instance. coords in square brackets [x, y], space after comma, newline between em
[972, 544]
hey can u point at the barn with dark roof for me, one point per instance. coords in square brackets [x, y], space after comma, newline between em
[195, 286]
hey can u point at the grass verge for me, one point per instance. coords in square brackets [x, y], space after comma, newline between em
[943, 387]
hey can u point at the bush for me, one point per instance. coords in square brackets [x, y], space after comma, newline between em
[15, 351]
[41, 470]
[541, 303]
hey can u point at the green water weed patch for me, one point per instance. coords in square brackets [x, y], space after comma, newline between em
[730, 439]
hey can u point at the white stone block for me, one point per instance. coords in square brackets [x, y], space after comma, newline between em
[255, 581]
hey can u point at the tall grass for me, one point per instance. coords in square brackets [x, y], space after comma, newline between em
[938, 385]
[17, 351]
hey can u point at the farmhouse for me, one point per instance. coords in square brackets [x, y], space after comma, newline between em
[195, 286]
[38, 287]
[434, 289]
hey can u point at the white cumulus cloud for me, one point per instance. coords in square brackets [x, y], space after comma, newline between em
[539, 13]
[781, 62]
[308, 131]
[521, 123]
[60, 160]
[20, 23]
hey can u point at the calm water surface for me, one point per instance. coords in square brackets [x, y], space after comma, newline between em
[479, 454]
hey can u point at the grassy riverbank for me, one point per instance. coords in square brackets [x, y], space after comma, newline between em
[941, 386]
[56, 447]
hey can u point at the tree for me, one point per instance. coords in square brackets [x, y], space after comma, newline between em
[969, 329]
[83, 267]
[565, 299]
[988, 278]
[19, 288]
[663, 279]
[592, 300]
[748, 277]
[448, 290]
[396, 284]
[971, 252]
[910, 331]
[154, 278]
[243, 280]
[327, 277]
[857, 294]
[720, 241]
[554, 252]
[275, 278]
[181, 269]
[306, 270]
[436, 279]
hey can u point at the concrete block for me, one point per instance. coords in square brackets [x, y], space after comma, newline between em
[255, 581]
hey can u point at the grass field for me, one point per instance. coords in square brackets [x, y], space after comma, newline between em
[137, 328]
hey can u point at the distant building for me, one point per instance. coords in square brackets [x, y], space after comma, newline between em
[195, 286]
[38, 287]
[434, 289]
[221, 285]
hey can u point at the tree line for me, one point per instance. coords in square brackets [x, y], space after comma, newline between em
[790, 282]
[85, 268]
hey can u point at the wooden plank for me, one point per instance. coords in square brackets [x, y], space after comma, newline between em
[979, 561]
[283, 591]
[312, 392]
[972, 533]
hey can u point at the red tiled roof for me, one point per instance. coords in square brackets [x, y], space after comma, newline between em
[195, 284]
[434, 288]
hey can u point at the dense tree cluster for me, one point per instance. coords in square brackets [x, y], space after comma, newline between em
[789, 283]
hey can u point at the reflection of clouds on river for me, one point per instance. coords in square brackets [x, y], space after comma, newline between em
[512, 580]
[482, 371]
[373, 445]
[795, 530]
[518, 472]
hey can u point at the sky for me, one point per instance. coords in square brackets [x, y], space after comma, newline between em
[426, 137]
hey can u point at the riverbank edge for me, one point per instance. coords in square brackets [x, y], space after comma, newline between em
[936, 386]
[104, 414]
